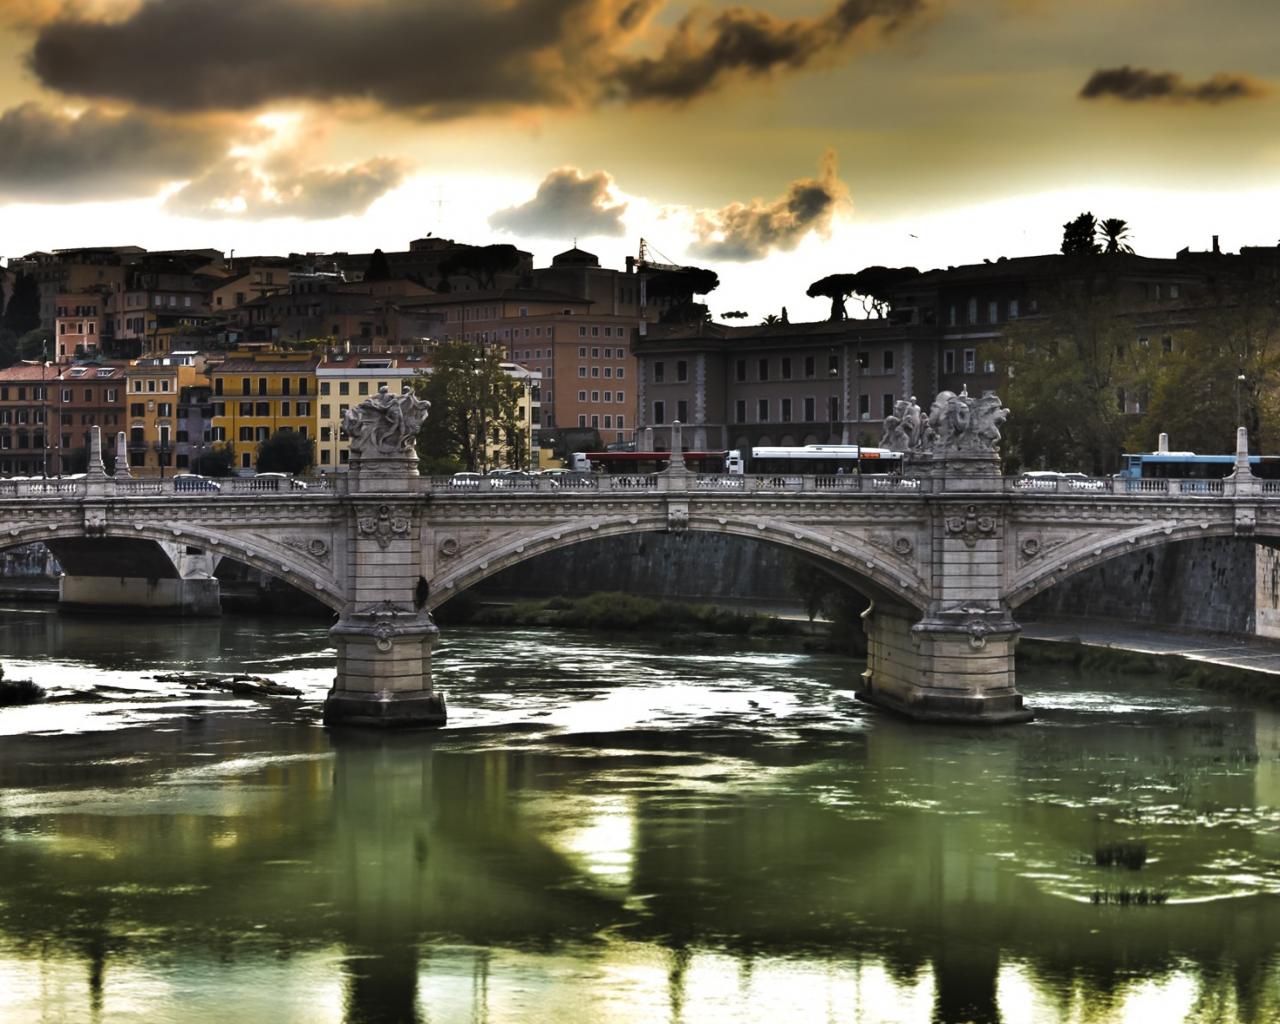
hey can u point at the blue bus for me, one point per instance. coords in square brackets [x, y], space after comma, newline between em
[1166, 465]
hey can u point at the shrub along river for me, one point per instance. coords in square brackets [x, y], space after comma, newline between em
[619, 828]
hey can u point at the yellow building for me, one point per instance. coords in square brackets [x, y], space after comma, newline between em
[520, 452]
[259, 392]
[153, 419]
[345, 380]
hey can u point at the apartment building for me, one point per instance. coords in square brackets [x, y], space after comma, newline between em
[86, 395]
[156, 422]
[784, 384]
[24, 413]
[257, 392]
[78, 325]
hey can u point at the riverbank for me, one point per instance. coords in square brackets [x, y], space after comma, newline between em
[1247, 666]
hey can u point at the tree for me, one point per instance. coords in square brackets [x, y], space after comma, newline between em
[771, 320]
[1114, 233]
[474, 420]
[878, 285]
[837, 288]
[1079, 236]
[286, 451]
[679, 286]
[378, 269]
[218, 461]
[734, 314]
[482, 262]
[1071, 378]
[22, 313]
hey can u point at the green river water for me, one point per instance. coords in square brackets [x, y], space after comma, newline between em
[619, 829]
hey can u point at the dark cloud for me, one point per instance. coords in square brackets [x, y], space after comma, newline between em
[52, 155]
[432, 57]
[235, 187]
[568, 203]
[750, 231]
[1138, 85]
[746, 42]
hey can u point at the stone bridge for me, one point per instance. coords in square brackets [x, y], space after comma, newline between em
[946, 553]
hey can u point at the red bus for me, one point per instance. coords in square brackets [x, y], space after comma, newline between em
[644, 462]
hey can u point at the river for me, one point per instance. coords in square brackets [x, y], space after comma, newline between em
[619, 829]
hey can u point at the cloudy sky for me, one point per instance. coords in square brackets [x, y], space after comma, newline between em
[774, 140]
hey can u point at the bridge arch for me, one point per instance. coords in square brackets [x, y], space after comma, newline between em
[878, 574]
[272, 560]
[1074, 559]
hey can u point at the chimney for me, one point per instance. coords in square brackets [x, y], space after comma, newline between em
[1216, 250]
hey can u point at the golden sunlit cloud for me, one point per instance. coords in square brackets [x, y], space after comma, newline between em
[742, 232]
[568, 202]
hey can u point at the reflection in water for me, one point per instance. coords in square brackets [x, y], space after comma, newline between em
[619, 831]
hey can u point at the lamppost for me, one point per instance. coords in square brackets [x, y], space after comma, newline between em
[833, 373]
[1240, 378]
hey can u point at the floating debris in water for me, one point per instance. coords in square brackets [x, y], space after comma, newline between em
[1130, 897]
[241, 684]
[1125, 855]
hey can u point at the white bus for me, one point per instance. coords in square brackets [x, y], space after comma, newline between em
[814, 460]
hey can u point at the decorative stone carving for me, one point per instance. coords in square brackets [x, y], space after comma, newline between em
[902, 545]
[316, 547]
[971, 526]
[956, 423]
[386, 424]
[449, 547]
[385, 526]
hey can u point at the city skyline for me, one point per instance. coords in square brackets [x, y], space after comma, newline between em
[775, 143]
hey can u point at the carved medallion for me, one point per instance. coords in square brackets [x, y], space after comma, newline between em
[385, 526]
[971, 526]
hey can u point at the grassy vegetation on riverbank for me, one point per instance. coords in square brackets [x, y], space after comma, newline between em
[18, 691]
[1242, 682]
[616, 611]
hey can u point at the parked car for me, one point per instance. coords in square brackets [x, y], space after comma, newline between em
[1052, 480]
[195, 482]
[279, 482]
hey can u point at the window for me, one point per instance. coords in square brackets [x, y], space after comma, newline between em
[988, 366]
[246, 408]
[66, 394]
[785, 411]
[659, 372]
[324, 411]
[888, 359]
[740, 411]
[970, 360]
[682, 411]
[619, 396]
[137, 409]
[809, 369]
[582, 371]
[864, 407]
[617, 422]
[973, 311]
[659, 412]
[786, 367]
[887, 405]
[595, 396]
[151, 386]
[1013, 309]
[284, 408]
[608, 371]
[245, 386]
[810, 410]
[993, 312]
[582, 396]
[682, 370]
[595, 371]
[324, 387]
[762, 410]
[1166, 343]
[344, 387]
[217, 386]
[949, 361]
[595, 421]
[362, 388]
[618, 373]
[762, 369]
[246, 433]
[1174, 292]
[164, 409]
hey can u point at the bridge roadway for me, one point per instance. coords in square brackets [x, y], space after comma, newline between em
[946, 555]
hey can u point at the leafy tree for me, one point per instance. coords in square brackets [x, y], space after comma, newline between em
[378, 269]
[1114, 234]
[1224, 374]
[1070, 378]
[22, 313]
[36, 344]
[837, 288]
[286, 451]
[8, 348]
[474, 419]
[218, 461]
[734, 314]
[1079, 236]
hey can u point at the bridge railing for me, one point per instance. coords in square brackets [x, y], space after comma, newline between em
[1084, 486]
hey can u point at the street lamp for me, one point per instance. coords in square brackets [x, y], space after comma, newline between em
[1239, 389]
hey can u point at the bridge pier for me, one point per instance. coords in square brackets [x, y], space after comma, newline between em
[384, 635]
[946, 667]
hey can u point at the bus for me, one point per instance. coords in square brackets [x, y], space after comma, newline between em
[815, 460]
[639, 463]
[1167, 465]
